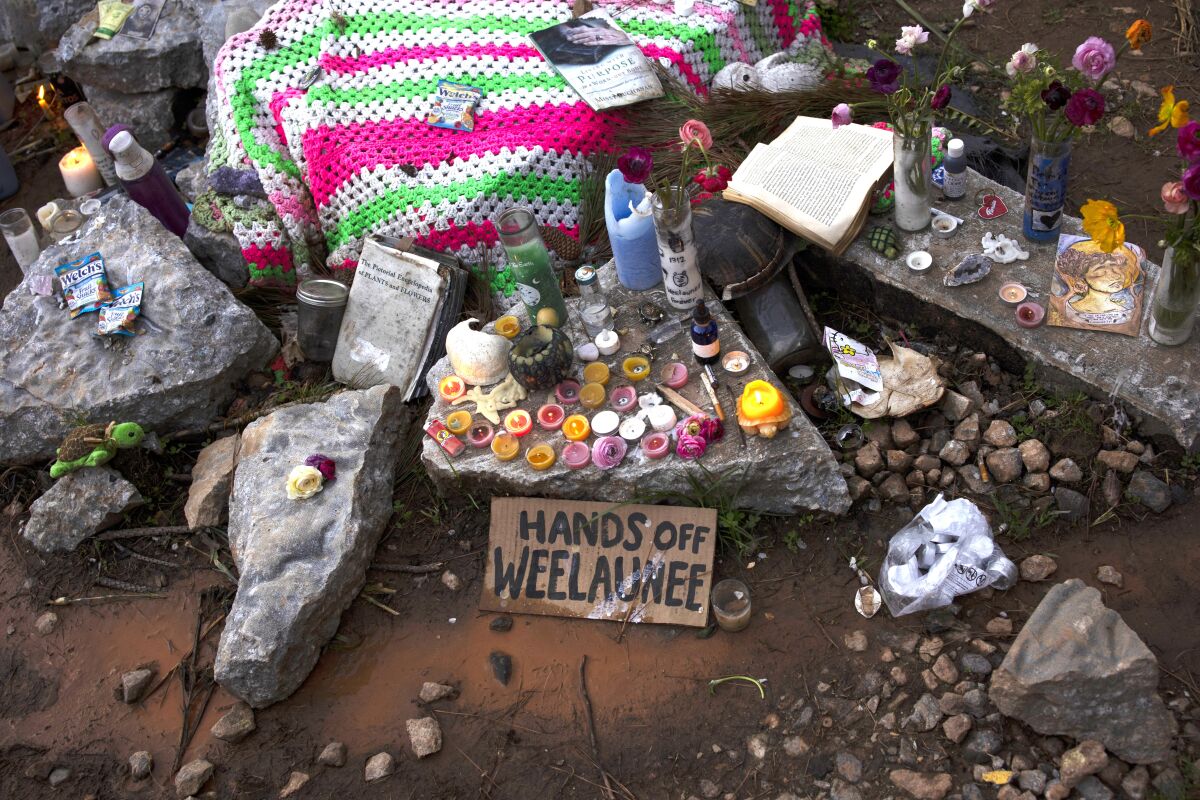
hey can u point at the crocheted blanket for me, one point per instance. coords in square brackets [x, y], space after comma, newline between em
[325, 100]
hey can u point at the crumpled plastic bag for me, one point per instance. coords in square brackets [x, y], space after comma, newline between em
[910, 382]
[946, 550]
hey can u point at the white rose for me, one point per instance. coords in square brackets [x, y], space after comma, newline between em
[303, 482]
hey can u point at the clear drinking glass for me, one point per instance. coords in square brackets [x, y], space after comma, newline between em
[21, 237]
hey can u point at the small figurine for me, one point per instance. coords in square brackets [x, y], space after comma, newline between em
[883, 240]
[93, 445]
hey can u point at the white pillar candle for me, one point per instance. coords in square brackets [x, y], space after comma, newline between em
[79, 172]
[45, 214]
[87, 126]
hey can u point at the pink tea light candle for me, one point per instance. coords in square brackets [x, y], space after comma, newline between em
[550, 417]
[675, 375]
[481, 434]
[622, 398]
[656, 445]
[567, 392]
[576, 455]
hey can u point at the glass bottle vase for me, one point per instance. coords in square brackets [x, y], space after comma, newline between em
[1046, 189]
[529, 261]
[677, 248]
[1173, 311]
[911, 166]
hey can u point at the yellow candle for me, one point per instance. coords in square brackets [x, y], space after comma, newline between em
[576, 428]
[636, 367]
[592, 395]
[541, 457]
[459, 422]
[596, 372]
[761, 400]
[79, 172]
[505, 446]
[508, 326]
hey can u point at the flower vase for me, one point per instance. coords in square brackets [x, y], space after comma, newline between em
[1173, 312]
[1046, 189]
[911, 163]
[677, 256]
[631, 234]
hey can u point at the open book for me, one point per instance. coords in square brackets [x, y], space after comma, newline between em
[816, 181]
[402, 304]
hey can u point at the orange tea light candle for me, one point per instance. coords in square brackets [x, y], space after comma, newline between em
[518, 422]
[459, 422]
[592, 395]
[576, 427]
[761, 400]
[508, 326]
[541, 457]
[636, 368]
[451, 388]
[596, 372]
[505, 446]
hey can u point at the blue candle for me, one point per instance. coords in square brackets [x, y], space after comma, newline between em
[632, 237]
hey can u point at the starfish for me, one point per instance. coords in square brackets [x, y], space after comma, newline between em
[506, 395]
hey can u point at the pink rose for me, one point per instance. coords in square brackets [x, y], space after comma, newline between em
[695, 132]
[1095, 58]
[841, 115]
[1174, 198]
[1022, 61]
[910, 37]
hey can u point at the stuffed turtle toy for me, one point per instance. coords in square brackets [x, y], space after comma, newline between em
[883, 240]
[93, 445]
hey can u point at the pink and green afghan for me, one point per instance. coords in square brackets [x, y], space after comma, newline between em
[332, 117]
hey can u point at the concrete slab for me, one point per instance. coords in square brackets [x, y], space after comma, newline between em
[795, 471]
[1161, 385]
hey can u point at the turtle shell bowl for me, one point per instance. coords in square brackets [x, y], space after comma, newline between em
[541, 357]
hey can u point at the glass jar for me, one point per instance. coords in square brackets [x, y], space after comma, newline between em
[322, 303]
[1046, 189]
[912, 166]
[594, 309]
[65, 224]
[1173, 312]
[529, 262]
[677, 248]
[21, 237]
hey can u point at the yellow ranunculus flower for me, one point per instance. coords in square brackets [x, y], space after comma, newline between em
[303, 482]
[1170, 113]
[1100, 221]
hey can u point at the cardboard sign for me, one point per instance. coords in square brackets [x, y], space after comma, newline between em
[600, 561]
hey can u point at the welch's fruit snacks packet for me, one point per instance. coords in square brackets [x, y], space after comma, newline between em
[117, 318]
[84, 284]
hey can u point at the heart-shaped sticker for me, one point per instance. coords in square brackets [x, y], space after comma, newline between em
[993, 206]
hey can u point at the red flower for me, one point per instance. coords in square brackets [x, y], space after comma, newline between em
[324, 464]
[713, 179]
[1085, 107]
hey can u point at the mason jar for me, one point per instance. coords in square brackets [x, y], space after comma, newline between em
[322, 302]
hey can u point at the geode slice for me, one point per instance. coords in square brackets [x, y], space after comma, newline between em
[971, 269]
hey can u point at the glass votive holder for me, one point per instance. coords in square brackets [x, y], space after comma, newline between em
[730, 602]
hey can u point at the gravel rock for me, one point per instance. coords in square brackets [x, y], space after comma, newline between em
[927, 462]
[1005, 464]
[945, 670]
[1119, 460]
[841, 790]
[379, 767]
[1038, 568]
[295, 783]
[957, 727]
[1091, 788]
[1078, 670]
[756, 746]
[1112, 488]
[451, 581]
[501, 624]
[975, 664]
[1035, 455]
[1000, 434]
[922, 785]
[1136, 783]
[926, 714]
[135, 683]
[894, 489]
[333, 755]
[501, 667]
[1087, 758]
[141, 764]
[425, 734]
[46, 624]
[1066, 470]
[903, 434]
[898, 460]
[795, 746]
[212, 478]
[955, 407]
[192, 777]
[1075, 506]
[849, 767]
[59, 776]
[855, 641]
[952, 704]
[432, 692]
[78, 505]
[235, 724]
[1110, 576]
[857, 487]
[868, 460]
[1032, 780]
[1000, 626]
[709, 789]
[967, 431]
[1055, 790]
[982, 744]
[1037, 482]
[1149, 491]
[955, 453]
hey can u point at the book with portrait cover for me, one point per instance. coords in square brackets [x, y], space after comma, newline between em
[1097, 291]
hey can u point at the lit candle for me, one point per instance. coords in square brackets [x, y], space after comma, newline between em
[540, 457]
[636, 368]
[43, 103]
[596, 372]
[656, 445]
[79, 172]
[459, 422]
[1013, 294]
[576, 427]
[518, 422]
[1030, 315]
[505, 446]
[622, 398]
[451, 388]
[605, 423]
[736, 362]
[567, 392]
[761, 400]
[576, 455]
[675, 375]
[551, 416]
[481, 434]
[591, 395]
[508, 326]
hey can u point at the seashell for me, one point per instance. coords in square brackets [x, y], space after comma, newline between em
[737, 76]
[479, 358]
[971, 269]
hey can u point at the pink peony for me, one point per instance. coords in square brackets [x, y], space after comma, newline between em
[1189, 141]
[941, 98]
[1191, 182]
[1023, 61]
[695, 132]
[910, 37]
[1174, 198]
[1085, 107]
[840, 116]
[636, 165]
[1095, 58]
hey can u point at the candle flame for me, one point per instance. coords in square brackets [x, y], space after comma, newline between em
[758, 397]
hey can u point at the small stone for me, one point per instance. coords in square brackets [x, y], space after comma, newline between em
[982, 744]
[1091, 788]
[1037, 482]
[879, 434]
[1121, 126]
[432, 692]
[930, 648]
[756, 746]
[1087, 758]
[1066, 471]
[135, 683]
[977, 703]
[141, 764]
[192, 776]
[709, 789]
[1149, 491]
[1109, 575]
[1000, 434]
[451, 581]
[1074, 506]
[501, 666]
[795, 746]
[425, 734]
[930, 680]
[212, 476]
[1035, 455]
[967, 431]
[501, 624]
[957, 727]
[898, 460]
[926, 714]
[952, 704]
[1032, 780]
[858, 487]
[333, 755]
[849, 767]
[295, 783]
[927, 462]
[236, 724]
[856, 641]
[975, 664]
[922, 785]
[1119, 460]
[955, 407]
[1005, 464]
[1112, 489]
[894, 489]
[868, 460]
[840, 790]
[379, 767]
[945, 670]
[1000, 626]
[1037, 568]
[1055, 790]
[899, 676]
[887, 655]
[1135, 447]
[903, 434]
[46, 624]
[955, 453]
[59, 775]
[1136, 783]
